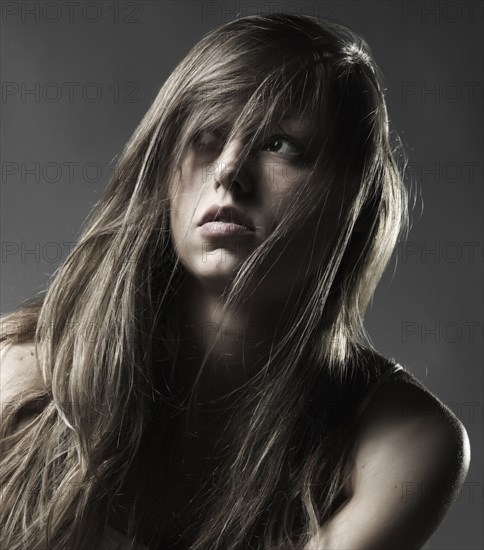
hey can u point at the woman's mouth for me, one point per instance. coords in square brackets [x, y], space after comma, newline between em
[225, 221]
[223, 229]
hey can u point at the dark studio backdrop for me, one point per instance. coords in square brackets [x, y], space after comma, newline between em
[78, 76]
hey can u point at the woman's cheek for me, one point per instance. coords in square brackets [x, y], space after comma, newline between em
[293, 175]
[281, 176]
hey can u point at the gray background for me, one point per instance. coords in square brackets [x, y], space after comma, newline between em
[58, 143]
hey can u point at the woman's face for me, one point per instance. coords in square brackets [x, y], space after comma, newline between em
[262, 189]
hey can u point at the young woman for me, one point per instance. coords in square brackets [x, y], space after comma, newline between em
[196, 375]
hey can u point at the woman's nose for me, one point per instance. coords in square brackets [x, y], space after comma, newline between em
[228, 171]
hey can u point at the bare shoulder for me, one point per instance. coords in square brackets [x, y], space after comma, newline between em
[410, 457]
[18, 372]
[405, 414]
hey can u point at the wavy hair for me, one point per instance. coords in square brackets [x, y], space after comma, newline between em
[102, 334]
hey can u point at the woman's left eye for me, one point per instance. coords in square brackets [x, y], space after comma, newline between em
[284, 145]
[207, 139]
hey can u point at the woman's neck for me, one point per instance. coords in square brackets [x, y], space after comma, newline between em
[238, 344]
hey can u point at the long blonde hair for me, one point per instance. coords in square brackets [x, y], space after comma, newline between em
[102, 322]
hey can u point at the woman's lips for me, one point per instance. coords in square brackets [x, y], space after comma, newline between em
[224, 229]
[227, 214]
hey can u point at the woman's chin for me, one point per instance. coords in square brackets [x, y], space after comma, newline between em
[217, 274]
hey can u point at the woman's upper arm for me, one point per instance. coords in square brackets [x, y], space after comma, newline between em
[409, 463]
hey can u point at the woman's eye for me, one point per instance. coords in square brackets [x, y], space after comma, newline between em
[207, 139]
[283, 145]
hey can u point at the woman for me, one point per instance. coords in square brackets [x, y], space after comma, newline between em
[196, 374]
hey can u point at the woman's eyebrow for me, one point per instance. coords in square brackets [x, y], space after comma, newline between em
[300, 125]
